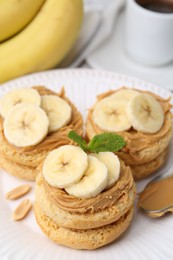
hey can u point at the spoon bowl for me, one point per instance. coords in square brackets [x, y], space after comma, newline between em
[156, 199]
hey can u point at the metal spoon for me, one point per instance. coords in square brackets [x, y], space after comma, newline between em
[165, 173]
[160, 211]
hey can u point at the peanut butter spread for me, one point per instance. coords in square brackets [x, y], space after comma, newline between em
[135, 140]
[104, 200]
[157, 195]
[52, 140]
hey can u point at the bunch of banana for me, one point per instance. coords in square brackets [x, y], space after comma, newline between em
[129, 108]
[46, 30]
[15, 15]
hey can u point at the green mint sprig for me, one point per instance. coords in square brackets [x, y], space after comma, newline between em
[78, 139]
[99, 143]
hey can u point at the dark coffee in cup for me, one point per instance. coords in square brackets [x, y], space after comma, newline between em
[161, 6]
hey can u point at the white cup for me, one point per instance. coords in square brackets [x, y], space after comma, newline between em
[148, 35]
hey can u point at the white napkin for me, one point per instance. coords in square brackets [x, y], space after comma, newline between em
[100, 16]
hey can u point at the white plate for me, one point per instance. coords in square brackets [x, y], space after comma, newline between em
[147, 239]
[111, 56]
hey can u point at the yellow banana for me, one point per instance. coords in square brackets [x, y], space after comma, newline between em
[44, 42]
[15, 15]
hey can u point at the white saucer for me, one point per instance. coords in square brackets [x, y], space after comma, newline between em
[111, 56]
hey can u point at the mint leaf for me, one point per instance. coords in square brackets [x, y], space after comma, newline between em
[99, 143]
[78, 139]
[106, 142]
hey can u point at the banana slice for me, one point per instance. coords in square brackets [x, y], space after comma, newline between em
[145, 113]
[124, 94]
[25, 125]
[65, 166]
[113, 165]
[16, 96]
[58, 111]
[93, 182]
[109, 115]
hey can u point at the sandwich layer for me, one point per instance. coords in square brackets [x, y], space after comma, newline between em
[18, 170]
[140, 147]
[143, 170]
[30, 157]
[85, 220]
[82, 239]
[144, 152]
